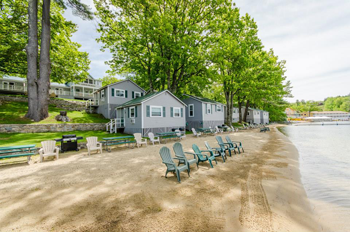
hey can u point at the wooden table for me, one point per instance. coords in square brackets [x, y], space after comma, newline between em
[18, 151]
[117, 140]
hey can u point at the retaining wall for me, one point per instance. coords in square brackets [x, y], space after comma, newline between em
[61, 127]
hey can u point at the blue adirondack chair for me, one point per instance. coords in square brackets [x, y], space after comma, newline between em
[179, 152]
[235, 144]
[202, 157]
[225, 146]
[216, 151]
[170, 164]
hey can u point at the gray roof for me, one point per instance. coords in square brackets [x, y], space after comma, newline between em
[118, 83]
[203, 99]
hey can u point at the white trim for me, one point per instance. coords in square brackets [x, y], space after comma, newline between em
[176, 108]
[107, 94]
[136, 93]
[189, 106]
[141, 116]
[161, 111]
[132, 107]
[115, 93]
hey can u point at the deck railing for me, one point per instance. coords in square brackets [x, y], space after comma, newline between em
[12, 88]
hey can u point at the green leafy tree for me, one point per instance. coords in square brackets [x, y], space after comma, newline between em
[107, 80]
[164, 43]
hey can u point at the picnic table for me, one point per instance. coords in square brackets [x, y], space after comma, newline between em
[205, 130]
[17, 151]
[167, 135]
[117, 141]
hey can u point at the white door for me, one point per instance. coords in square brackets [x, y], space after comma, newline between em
[5, 85]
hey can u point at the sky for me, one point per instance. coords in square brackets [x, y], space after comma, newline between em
[313, 36]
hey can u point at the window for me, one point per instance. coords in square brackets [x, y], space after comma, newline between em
[218, 108]
[248, 113]
[208, 109]
[137, 94]
[102, 95]
[176, 112]
[132, 112]
[119, 93]
[156, 111]
[190, 110]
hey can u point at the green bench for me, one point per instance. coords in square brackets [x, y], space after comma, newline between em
[117, 141]
[17, 151]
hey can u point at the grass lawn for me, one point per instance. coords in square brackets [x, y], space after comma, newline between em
[14, 112]
[7, 139]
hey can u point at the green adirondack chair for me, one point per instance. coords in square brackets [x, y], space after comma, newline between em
[225, 146]
[179, 152]
[235, 144]
[202, 157]
[170, 164]
[216, 151]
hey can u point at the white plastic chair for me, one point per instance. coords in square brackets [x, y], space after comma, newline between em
[180, 135]
[152, 138]
[140, 140]
[218, 130]
[93, 145]
[195, 133]
[48, 149]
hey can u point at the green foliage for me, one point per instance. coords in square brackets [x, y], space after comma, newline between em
[14, 112]
[337, 104]
[164, 43]
[305, 106]
[67, 62]
[37, 138]
[107, 80]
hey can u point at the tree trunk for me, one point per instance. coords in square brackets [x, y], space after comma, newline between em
[240, 111]
[32, 59]
[246, 111]
[45, 69]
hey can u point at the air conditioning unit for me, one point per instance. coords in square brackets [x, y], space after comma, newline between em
[133, 121]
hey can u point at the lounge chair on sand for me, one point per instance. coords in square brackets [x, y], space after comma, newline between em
[225, 146]
[152, 138]
[179, 153]
[216, 151]
[201, 157]
[139, 139]
[170, 164]
[48, 149]
[93, 145]
[195, 133]
[235, 144]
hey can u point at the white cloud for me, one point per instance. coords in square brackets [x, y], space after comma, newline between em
[313, 37]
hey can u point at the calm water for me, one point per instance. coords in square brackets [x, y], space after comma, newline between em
[324, 156]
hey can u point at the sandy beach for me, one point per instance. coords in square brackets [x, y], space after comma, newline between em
[125, 190]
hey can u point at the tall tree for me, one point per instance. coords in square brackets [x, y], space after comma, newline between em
[164, 43]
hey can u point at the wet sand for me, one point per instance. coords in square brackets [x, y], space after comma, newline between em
[125, 190]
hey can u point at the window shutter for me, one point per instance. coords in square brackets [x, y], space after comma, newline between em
[132, 95]
[216, 108]
[135, 111]
[182, 112]
[171, 112]
[211, 110]
[164, 115]
[141, 94]
[206, 108]
[148, 111]
[112, 92]
[128, 112]
[126, 94]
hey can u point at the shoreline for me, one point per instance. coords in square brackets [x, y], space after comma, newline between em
[259, 190]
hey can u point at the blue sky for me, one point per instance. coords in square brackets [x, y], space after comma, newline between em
[313, 36]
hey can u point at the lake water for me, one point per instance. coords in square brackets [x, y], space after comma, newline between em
[324, 157]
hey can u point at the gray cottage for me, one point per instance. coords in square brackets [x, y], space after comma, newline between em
[155, 112]
[203, 112]
[254, 116]
[110, 96]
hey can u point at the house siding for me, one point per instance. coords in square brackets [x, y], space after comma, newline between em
[215, 118]
[197, 120]
[131, 128]
[163, 124]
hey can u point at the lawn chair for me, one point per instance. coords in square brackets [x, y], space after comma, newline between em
[170, 164]
[225, 146]
[212, 131]
[218, 130]
[152, 138]
[48, 149]
[195, 133]
[235, 144]
[201, 157]
[179, 152]
[216, 151]
[180, 135]
[93, 145]
[139, 139]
